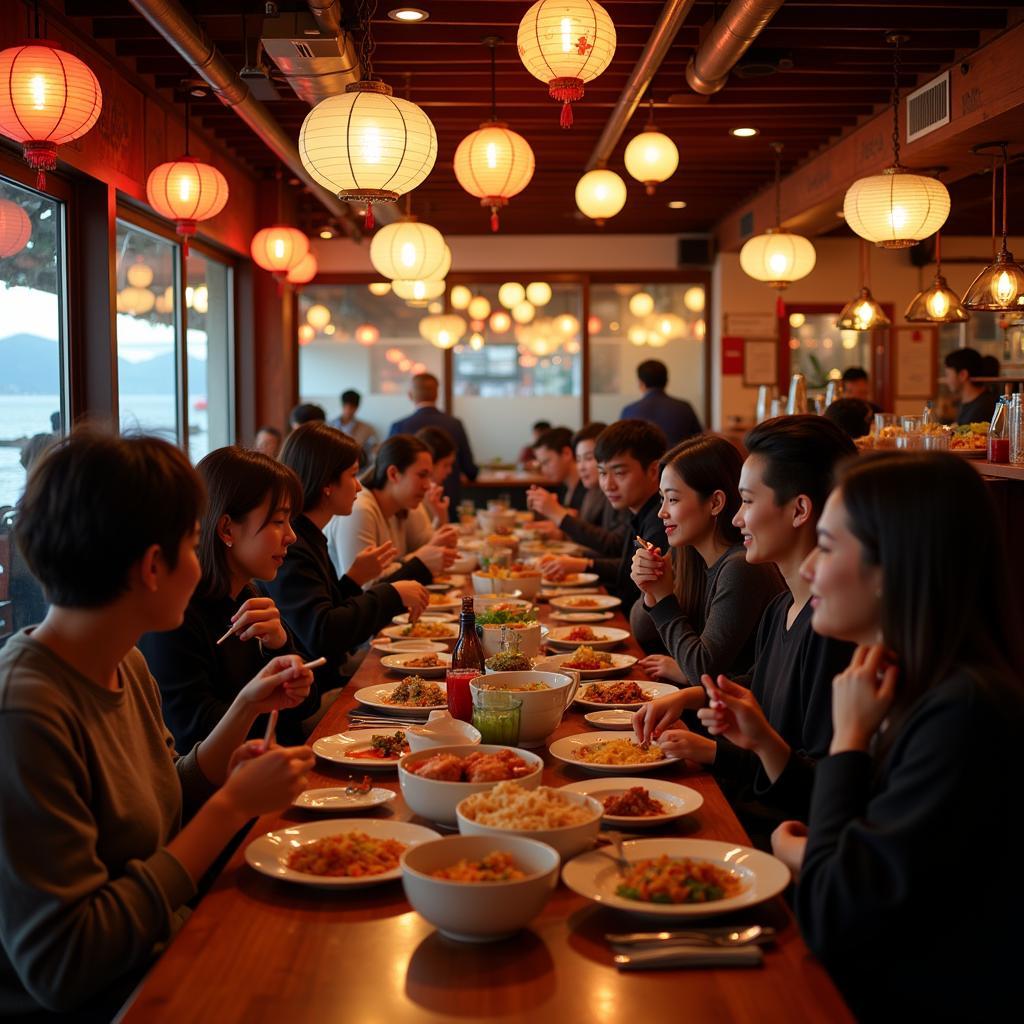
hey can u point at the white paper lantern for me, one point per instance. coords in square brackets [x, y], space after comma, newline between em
[523, 312]
[408, 250]
[419, 291]
[600, 194]
[460, 297]
[318, 317]
[511, 294]
[500, 322]
[538, 293]
[693, 299]
[896, 209]
[651, 157]
[641, 304]
[494, 164]
[479, 308]
[777, 257]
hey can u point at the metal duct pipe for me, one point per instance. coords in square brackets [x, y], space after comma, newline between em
[662, 36]
[175, 24]
[740, 24]
[327, 14]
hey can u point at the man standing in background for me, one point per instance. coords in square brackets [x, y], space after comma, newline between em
[673, 416]
[359, 430]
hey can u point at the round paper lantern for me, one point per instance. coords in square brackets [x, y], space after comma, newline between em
[494, 163]
[567, 325]
[443, 331]
[137, 301]
[408, 250]
[538, 292]
[379, 288]
[366, 145]
[476, 341]
[186, 191]
[896, 209]
[566, 43]
[777, 257]
[140, 274]
[637, 335]
[479, 308]
[279, 249]
[47, 97]
[670, 325]
[651, 157]
[419, 291]
[523, 312]
[199, 299]
[304, 271]
[600, 194]
[500, 322]
[693, 299]
[318, 317]
[15, 228]
[656, 339]
[511, 294]
[306, 334]
[460, 297]
[367, 334]
[641, 304]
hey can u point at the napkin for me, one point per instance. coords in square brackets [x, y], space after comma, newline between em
[690, 956]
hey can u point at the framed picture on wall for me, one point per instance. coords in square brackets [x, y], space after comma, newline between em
[759, 362]
[914, 358]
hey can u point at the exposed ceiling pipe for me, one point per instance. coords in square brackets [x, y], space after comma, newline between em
[327, 14]
[662, 36]
[740, 24]
[176, 25]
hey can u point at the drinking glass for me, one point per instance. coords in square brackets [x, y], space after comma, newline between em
[497, 715]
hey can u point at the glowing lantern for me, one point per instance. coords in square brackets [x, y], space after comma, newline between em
[318, 317]
[200, 299]
[511, 294]
[304, 271]
[394, 355]
[419, 291]
[404, 365]
[366, 145]
[566, 43]
[523, 312]
[140, 274]
[670, 325]
[367, 335]
[379, 288]
[777, 257]
[693, 299]
[476, 341]
[594, 324]
[500, 322]
[494, 163]
[479, 308]
[409, 250]
[641, 304]
[637, 335]
[567, 325]
[461, 297]
[186, 191]
[600, 194]
[306, 334]
[538, 292]
[15, 228]
[47, 97]
[137, 301]
[651, 157]
[443, 331]
[279, 249]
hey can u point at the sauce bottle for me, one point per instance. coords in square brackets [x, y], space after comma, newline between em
[467, 664]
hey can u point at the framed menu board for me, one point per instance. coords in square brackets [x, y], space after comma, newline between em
[914, 359]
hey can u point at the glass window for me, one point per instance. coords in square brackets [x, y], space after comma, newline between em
[351, 339]
[519, 361]
[32, 392]
[821, 351]
[208, 341]
[147, 332]
[630, 323]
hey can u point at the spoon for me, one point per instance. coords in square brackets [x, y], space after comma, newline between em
[711, 937]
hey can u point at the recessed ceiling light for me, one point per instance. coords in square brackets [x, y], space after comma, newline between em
[408, 14]
[677, 204]
[327, 233]
[744, 133]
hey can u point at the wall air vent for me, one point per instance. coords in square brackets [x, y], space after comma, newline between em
[746, 224]
[928, 107]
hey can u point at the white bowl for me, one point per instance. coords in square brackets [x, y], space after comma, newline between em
[542, 709]
[569, 840]
[478, 911]
[466, 562]
[460, 732]
[436, 800]
[494, 519]
[528, 586]
[528, 634]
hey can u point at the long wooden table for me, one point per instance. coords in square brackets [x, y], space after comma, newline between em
[260, 950]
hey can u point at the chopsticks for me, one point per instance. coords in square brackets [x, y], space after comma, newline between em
[644, 543]
[268, 736]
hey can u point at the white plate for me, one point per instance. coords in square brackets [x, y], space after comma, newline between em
[373, 697]
[339, 748]
[386, 645]
[565, 748]
[431, 616]
[576, 579]
[398, 633]
[582, 616]
[571, 603]
[453, 604]
[610, 636]
[678, 800]
[399, 663]
[337, 801]
[442, 584]
[620, 662]
[654, 689]
[269, 853]
[594, 876]
[618, 719]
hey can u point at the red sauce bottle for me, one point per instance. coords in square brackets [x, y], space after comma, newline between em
[467, 664]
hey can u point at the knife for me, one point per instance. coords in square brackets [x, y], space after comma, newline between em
[690, 956]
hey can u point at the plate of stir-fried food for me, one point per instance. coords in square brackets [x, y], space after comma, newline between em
[336, 854]
[413, 695]
[363, 748]
[430, 664]
[595, 637]
[610, 753]
[638, 803]
[592, 664]
[621, 693]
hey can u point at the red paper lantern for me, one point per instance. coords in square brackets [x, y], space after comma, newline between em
[279, 249]
[47, 97]
[304, 271]
[15, 228]
[186, 191]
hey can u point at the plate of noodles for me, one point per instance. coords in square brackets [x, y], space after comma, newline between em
[678, 878]
[336, 854]
[609, 753]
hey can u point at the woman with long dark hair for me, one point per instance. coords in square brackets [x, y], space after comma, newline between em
[899, 893]
[244, 535]
[330, 614]
[436, 508]
[392, 489]
[702, 599]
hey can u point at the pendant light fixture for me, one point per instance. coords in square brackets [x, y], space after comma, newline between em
[280, 248]
[778, 257]
[897, 208]
[1000, 286]
[600, 194]
[48, 97]
[15, 228]
[367, 145]
[651, 157]
[304, 271]
[863, 313]
[494, 163]
[937, 304]
[186, 190]
[566, 43]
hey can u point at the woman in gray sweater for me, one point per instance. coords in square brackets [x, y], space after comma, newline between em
[105, 830]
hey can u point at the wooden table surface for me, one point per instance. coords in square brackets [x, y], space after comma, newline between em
[260, 950]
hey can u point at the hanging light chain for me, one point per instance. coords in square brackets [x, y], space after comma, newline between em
[494, 80]
[777, 146]
[367, 9]
[1006, 171]
[896, 99]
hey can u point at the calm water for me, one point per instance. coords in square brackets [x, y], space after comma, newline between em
[21, 416]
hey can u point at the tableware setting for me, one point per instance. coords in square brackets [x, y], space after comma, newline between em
[576, 602]
[388, 645]
[677, 801]
[542, 709]
[376, 696]
[432, 615]
[598, 616]
[438, 632]
[405, 664]
[595, 696]
[269, 854]
[616, 719]
[338, 800]
[352, 749]
[625, 756]
[570, 637]
[571, 580]
[615, 664]
[440, 730]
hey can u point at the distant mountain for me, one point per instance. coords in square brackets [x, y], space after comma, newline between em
[29, 365]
